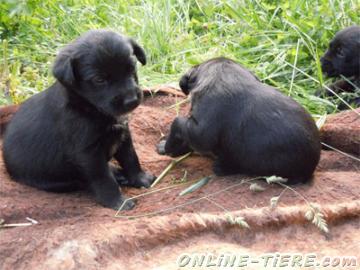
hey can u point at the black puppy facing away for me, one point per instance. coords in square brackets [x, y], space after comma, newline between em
[343, 58]
[250, 127]
[62, 138]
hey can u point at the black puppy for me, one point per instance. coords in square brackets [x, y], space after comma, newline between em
[250, 127]
[62, 138]
[343, 58]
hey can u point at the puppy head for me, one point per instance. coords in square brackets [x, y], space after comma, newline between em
[199, 73]
[343, 54]
[216, 71]
[187, 81]
[100, 66]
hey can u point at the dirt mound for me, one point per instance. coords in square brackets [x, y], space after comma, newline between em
[76, 233]
[342, 131]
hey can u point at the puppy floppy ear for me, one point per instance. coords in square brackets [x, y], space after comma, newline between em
[63, 69]
[138, 51]
[184, 84]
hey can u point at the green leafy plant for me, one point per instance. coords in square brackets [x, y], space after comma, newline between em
[202, 182]
[281, 42]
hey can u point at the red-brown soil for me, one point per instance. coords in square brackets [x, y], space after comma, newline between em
[5, 115]
[342, 131]
[76, 233]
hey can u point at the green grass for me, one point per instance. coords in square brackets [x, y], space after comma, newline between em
[280, 41]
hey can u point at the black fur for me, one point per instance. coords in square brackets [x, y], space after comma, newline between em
[62, 138]
[343, 58]
[250, 127]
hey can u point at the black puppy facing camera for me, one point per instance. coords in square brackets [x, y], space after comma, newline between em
[343, 58]
[63, 138]
[250, 128]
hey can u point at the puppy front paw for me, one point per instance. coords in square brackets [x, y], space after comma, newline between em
[128, 205]
[160, 148]
[142, 179]
[116, 203]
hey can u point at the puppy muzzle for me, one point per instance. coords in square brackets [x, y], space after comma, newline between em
[327, 67]
[129, 102]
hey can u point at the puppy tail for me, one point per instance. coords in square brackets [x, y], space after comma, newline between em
[6, 113]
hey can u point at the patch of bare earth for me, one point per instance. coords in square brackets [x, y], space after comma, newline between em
[76, 233]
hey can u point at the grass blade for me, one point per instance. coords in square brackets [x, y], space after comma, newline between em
[202, 182]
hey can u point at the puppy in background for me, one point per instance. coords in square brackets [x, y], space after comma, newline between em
[343, 58]
[250, 127]
[63, 138]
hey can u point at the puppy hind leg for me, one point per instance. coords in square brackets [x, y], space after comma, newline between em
[223, 168]
[107, 193]
[56, 186]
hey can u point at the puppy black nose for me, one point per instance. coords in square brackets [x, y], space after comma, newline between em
[131, 103]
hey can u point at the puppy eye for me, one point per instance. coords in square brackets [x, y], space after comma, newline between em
[192, 79]
[340, 52]
[98, 80]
